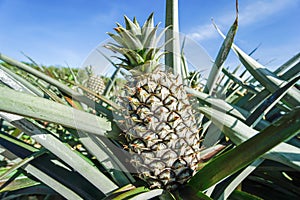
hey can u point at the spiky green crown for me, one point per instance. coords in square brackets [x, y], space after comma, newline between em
[138, 45]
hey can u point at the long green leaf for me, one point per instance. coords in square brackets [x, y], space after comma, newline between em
[290, 63]
[65, 89]
[269, 103]
[17, 79]
[292, 72]
[221, 57]
[18, 183]
[228, 83]
[219, 104]
[148, 195]
[39, 108]
[248, 151]
[240, 195]
[255, 116]
[35, 171]
[254, 102]
[238, 180]
[66, 154]
[131, 26]
[103, 148]
[238, 132]
[240, 82]
[224, 107]
[131, 193]
[39, 189]
[95, 146]
[184, 64]
[93, 175]
[268, 79]
[23, 162]
[54, 184]
[172, 59]
[51, 171]
[190, 194]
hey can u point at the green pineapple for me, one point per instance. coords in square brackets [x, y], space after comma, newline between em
[94, 83]
[158, 121]
[194, 79]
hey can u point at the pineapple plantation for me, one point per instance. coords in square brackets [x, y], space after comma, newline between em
[152, 130]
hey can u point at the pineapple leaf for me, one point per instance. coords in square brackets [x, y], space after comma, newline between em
[136, 23]
[256, 100]
[131, 193]
[241, 195]
[268, 79]
[292, 72]
[13, 77]
[150, 41]
[240, 82]
[133, 57]
[65, 89]
[23, 162]
[172, 59]
[290, 63]
[40, 108]
[130, 41]
[229, 82]
[244, 153]
[219, 104]
[118, 39]
[19, 143]
[238, 132]
[94, 146]
[222, 55]
[18, 183]
[63, 152]
[239, 178]
[149, 23]
[43, 169]
[149, 194]
[184, 64]
[131, 26]
[269, 103]
[189, 193]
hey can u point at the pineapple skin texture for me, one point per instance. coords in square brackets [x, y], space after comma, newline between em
[96, 84]
[160, 128]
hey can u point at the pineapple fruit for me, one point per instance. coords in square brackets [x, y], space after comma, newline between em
[194, 79]
[158, 120]
[94, 83]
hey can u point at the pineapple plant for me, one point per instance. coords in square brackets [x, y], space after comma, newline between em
[94, 83]
[157, 117]
[194, 79]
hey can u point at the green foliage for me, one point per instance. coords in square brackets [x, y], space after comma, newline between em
[56, 140]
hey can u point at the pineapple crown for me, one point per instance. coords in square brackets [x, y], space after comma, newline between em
[89, 70]
[138, 45]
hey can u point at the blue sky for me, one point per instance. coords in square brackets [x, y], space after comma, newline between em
[65, 31]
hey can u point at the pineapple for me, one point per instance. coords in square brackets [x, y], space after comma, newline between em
[94, 83]
[158, 121]
[194, 79]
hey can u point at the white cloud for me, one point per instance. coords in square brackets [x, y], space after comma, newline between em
[203, 32]
[260, 10]
[251, 13]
